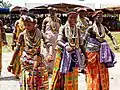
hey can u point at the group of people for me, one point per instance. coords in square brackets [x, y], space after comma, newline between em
[61, 50]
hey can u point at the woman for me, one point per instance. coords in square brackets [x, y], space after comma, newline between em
[19, 27]
[100, 56]
[83, 22]
[50, 29]
[65, 72]
[2, 42]
[34, 75]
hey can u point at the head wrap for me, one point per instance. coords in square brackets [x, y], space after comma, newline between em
[52, 8]
[96, 13]
[24, 9]
[71, 11]
[81, 10]
[29, 17]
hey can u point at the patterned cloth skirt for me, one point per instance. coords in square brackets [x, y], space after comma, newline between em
[64, 81]
[0, 57]
[16, 70]
[97, 76]
[39, 76]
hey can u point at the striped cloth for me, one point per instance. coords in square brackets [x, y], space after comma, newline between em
[64, 81]
[16, 70]
[0, 57]
[40, 77]
[97, 76]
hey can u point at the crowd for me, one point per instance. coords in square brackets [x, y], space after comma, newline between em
[61, 48]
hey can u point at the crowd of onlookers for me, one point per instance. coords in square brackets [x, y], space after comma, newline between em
[112, 22]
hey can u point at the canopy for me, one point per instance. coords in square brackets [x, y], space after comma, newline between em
[4, 10]
[62, 7]
[15, 9]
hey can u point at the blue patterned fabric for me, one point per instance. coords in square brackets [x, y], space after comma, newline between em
[106, 55]
[70, 60]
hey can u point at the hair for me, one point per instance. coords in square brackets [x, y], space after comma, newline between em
[81, 9]
[96, 13]
[52, 8]
[30, 17]
[24, 9]
[1, 23]
[71, 11]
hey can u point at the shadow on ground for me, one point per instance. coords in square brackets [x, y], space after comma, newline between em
[9, 78]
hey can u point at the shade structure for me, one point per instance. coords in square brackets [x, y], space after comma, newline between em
[39, 10]
[15, 9]
[61, 7]
[4, 10]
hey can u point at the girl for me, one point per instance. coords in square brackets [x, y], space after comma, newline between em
[65, 72]
[34, 74]
[100, 56]
[2, 42]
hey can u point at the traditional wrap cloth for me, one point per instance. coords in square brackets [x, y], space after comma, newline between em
[1, 44]
[20, 27]
[98, 53]
[97, 76]
[65, 78]
[0, 57]
[40, 75]
[66, 60]
[65, 72]
[83, 23]
[106, 55]
[51, 34]
[64, 81]
[16, 70]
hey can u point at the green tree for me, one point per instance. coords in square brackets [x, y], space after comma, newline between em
[5, 4]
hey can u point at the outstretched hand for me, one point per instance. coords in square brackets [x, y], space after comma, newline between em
[5, 43]
[116, 47]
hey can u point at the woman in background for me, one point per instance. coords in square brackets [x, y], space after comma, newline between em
[2, 42]
[65, 72]
[34, 75]
[100, 56]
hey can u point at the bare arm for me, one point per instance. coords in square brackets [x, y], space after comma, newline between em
[20, 40]
[4, 36]
[110, 36]
[45, 21]
[60, 37]
[82, 45]
[87, 34]
[14, 35]
[15, 30]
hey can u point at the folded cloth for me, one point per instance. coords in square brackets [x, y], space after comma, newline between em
[67, 58]
[66, 61]
[106, 55]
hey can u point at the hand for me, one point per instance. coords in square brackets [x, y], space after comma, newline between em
[5, 43]
[13, 45]
[9, 68]
[50, 58]
[86, 61]
[116, 47]
[31, 82]
[68, 48]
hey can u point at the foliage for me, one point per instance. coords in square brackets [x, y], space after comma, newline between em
[6, 4]
[117, 36]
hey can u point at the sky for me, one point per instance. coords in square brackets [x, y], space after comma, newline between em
[97, 2]
[92, 1]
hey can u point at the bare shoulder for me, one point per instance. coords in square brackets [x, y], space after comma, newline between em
[90, 28]
[46, 19]
[21, 35]
[16, 22]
